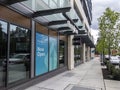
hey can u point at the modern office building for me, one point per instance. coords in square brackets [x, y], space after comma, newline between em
[42, 38]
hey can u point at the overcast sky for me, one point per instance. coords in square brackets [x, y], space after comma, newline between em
[98, 7]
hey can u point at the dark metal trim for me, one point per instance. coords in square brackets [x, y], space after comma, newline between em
[9, 2]
[57, 49]
[8, 51]
[80, 27]
[69, 33]
[50, 11]
[63, 28]
[60, 22]
[48, 50]
[71, 21]
[86, 39]
[81, 32]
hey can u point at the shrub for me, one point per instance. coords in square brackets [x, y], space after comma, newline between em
[112, 68]
[116, 74]
[108, 65]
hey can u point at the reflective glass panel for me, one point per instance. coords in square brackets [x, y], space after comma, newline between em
[61, 53]
[53, 50]
[53, 4]
[38, 5]
[52, 53]
[29, 3]
[62, 50]
[3, 51]
[77, 53]
[19, 55]
[46, 1]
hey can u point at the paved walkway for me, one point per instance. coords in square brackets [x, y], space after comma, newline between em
[87, 76]
[112, 85]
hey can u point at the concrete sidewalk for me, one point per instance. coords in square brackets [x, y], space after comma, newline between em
[87, 76]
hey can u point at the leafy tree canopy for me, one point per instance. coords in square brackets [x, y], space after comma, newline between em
[109, 35]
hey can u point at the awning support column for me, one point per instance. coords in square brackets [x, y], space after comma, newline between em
[83, 53]
[70, 52]
[88, 53]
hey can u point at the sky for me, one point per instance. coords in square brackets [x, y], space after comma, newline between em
[98, 7]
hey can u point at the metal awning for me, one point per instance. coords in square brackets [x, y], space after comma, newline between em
[57, 22]
[68, 33]
[54, 18]
[63, 19]
[84, 39]
[50, 12]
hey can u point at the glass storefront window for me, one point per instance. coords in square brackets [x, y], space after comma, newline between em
[46, 50]
[77, 53]
[53, 60]
[62, 50]
[3, 51]
[41, 55]
[53, 50]
[19, 54]
[61, 53]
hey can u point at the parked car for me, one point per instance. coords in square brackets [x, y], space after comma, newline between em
[115, 60]
[106, 57]
[17, 59]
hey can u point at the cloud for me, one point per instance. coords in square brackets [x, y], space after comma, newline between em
[99, 7]
[95, 35]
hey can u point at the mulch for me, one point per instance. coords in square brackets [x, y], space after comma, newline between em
[106, 74]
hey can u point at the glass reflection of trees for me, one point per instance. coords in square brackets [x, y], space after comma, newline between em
[61, 53]
[20, 46]
[3, 50]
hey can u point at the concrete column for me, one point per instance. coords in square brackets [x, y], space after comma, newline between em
[70, 53]
[83, 53]
[88, 53]
[92, 53]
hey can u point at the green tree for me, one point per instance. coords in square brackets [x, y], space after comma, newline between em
[109, 35]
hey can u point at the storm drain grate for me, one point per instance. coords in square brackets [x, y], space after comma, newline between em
[80, 88]
[68, 74]
[42, 88]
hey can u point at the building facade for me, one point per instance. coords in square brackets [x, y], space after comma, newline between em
[42, 38]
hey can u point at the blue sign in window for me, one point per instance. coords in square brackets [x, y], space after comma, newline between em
[41, 66]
